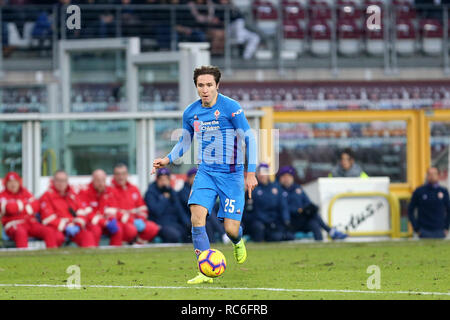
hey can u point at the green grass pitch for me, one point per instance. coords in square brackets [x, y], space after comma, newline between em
[408, 270]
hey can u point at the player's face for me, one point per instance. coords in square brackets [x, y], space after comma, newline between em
[13, 186]
[60, 181]
[346, 161]
[121, 175]
[207, 89]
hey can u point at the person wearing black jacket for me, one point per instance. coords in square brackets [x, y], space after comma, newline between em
[433, 209]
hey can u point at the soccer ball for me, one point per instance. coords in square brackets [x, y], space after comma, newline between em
[212, 263]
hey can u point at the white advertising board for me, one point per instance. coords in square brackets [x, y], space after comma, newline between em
[356, 214]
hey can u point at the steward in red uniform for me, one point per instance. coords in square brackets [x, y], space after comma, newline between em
[18, 210]
[62, 210]
[98, 198]
[133, 212]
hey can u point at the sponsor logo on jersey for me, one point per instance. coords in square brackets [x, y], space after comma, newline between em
[236, 113]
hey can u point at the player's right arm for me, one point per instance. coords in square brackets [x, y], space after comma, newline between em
[183, 145]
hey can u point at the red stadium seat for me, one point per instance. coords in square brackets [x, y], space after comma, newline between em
[320, 37]
[349, 35]
[266, 16]
[319, 11]
[294, 36]
[293, 11]
[431, 31]
[348, 11]
[406, 37]
[375, 41]
[404, 9]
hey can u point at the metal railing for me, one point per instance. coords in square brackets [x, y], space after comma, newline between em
[35, 30]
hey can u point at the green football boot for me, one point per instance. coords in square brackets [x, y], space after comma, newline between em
[240, 253]
[200, 278]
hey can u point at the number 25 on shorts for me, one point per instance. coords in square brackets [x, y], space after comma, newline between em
[229, 205]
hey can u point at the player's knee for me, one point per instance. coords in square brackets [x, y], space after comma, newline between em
[198, 216]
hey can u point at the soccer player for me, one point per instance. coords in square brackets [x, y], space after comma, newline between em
[220, 127]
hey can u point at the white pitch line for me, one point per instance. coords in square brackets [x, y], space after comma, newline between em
[220, 288]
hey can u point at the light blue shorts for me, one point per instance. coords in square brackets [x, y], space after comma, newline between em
[228, 186]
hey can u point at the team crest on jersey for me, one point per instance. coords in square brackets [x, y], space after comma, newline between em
[197, 252]
[134, 196]
[195, 117]
[424, 197]
[238, 211]
[196, 126]
[275, 191]
[440, 195]
[259, 192]
[217, 114]
[298, 191]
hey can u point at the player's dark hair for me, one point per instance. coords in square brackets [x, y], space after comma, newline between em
[348, 152]
[212, 70]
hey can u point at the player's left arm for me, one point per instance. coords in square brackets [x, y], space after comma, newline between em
[244, 131]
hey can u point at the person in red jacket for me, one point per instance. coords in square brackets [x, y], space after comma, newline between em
[18, 210]
[62, 210]
[133, 212]
[103, 209]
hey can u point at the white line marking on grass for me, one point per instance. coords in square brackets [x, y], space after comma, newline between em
[220, 288]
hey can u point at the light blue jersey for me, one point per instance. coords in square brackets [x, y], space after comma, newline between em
[220, 131]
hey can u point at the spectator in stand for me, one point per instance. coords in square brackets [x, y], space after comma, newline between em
[271, 212]
[165, 209]
[102, 208]
[433, 208]
[208, 23]
[304, 215]
[237, 30]
[133, 213]
[62, 210]
[18, 210]
[213, 226]
[129, 19]
[347, 166]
